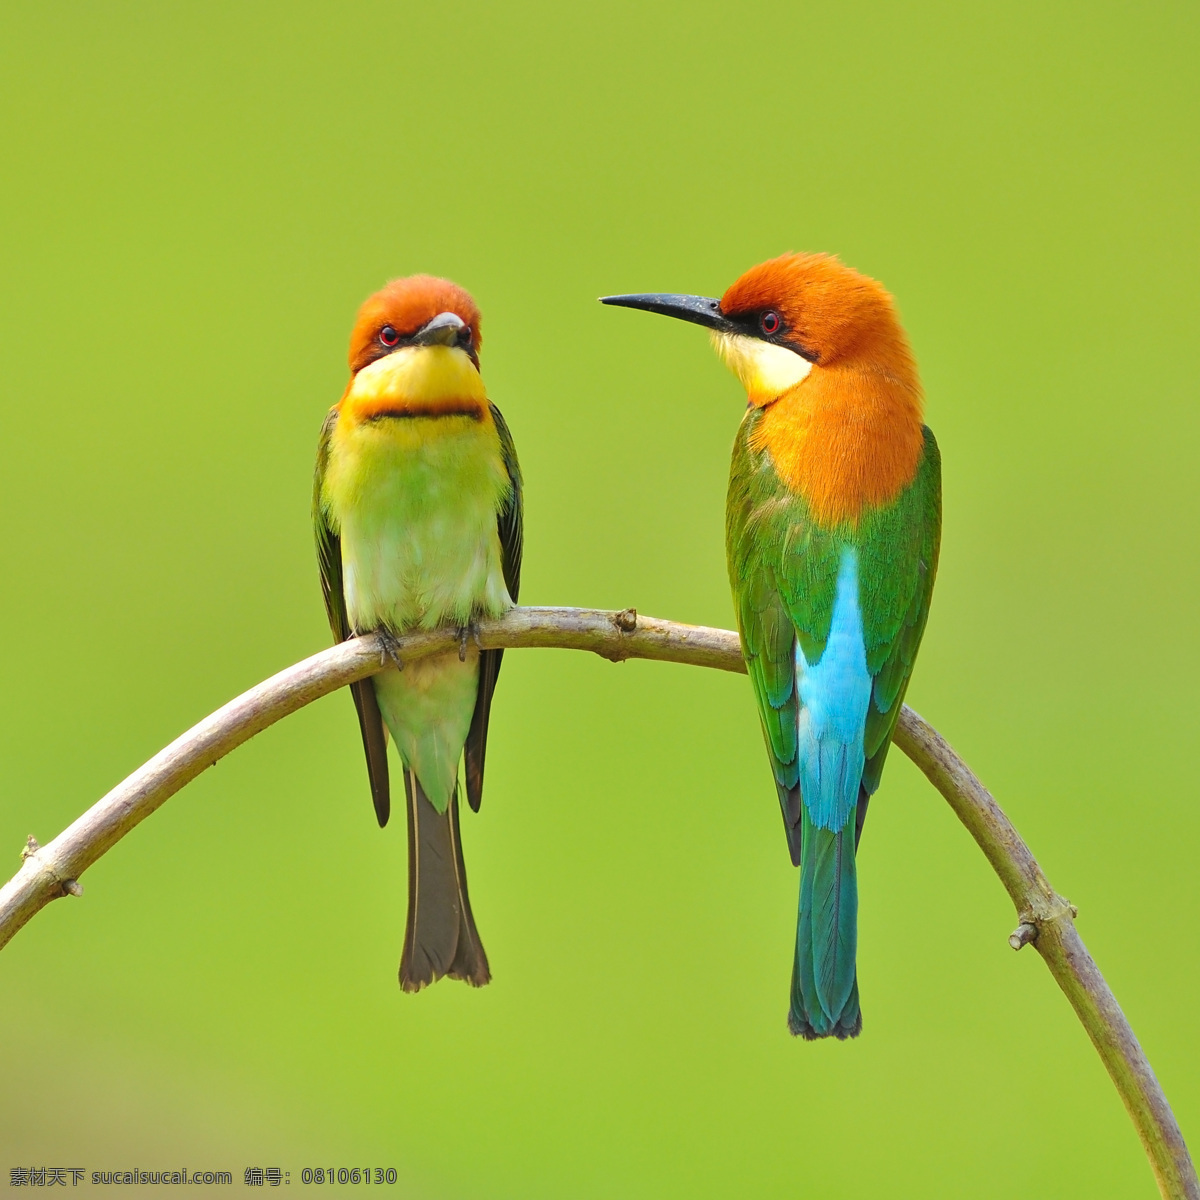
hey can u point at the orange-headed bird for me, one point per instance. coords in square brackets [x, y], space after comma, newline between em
[833, 522]
[417, 510]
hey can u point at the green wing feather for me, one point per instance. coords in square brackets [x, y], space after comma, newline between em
[768, 636]
[783, 570]
[783, 567]
[900, 557]
[329, 559]
[510, 527]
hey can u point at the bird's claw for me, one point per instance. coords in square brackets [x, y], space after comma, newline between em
[469, 630]
[391, 649]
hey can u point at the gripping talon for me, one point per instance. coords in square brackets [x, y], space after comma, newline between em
[391, 648]
[468, 631]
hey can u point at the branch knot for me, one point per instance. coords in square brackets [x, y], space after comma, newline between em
[626, 620]
[32, 850]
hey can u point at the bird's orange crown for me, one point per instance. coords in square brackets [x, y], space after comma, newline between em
[406, 305]
[829, 309]
[848, 435]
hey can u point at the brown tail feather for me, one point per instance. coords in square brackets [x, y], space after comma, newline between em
[440, 937]
[374, 736]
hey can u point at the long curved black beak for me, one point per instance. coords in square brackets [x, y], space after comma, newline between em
[700, 310]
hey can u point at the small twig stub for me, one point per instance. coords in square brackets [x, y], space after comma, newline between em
[1023, 935]
[626, 620]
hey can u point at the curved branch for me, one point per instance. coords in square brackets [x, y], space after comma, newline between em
[1046, 919]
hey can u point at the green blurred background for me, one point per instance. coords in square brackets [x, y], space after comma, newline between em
[196, 198]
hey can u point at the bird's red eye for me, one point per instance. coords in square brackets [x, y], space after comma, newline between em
[388, 336]
[770, 322]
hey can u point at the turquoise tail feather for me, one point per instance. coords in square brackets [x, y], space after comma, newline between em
[824, 977]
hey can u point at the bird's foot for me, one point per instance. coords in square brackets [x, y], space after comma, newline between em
[469, 631]
[391, 649]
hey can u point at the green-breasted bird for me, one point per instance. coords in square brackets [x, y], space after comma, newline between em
[417, 509]
[832, 528]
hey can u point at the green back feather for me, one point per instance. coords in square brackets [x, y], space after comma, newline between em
[783, 568]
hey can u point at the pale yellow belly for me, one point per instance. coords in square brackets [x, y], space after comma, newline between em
[415, 504]
[416, 512]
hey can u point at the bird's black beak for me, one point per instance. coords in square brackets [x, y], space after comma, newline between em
[443, 330]
[700, 310]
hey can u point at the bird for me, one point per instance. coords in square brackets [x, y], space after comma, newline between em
[833, 528]
[417, 510]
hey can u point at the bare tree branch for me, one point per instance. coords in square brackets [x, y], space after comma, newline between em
[1046, 919]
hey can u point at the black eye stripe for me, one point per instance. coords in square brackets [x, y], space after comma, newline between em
[756, 323]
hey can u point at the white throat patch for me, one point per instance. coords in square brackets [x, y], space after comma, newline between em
[764, 368]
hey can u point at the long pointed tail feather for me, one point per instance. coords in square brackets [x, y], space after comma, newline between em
[824, 978]
[440, 937]
[374, 737]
